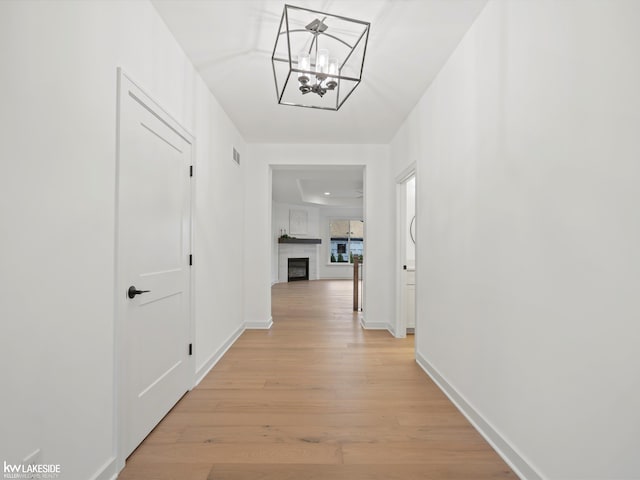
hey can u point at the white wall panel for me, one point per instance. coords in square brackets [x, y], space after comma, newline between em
[58, 124]
[527, 153]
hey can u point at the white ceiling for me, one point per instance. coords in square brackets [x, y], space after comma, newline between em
[230, 43]
[307, 185]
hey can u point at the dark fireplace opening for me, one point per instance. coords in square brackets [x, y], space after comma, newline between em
[298, 269]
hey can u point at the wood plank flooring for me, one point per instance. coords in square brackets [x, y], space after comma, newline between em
[315, 398]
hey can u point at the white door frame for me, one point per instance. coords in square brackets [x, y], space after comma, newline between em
[120, 284]
[400, 328]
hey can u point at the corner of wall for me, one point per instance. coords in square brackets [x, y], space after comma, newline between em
[375, 325]
[206, 367]
[259, 325]
[108, 471]
[502, 447]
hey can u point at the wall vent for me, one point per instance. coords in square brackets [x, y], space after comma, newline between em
[236, 156]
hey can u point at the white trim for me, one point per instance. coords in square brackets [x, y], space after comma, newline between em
[192, 252]
[107, 471]
[407, 173]
[365, 235]
[509, 454]
[375, 325]
[259, 325]
[392, 331]
[217, 355]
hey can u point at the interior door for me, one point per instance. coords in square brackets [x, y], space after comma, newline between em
[410, 299]
[410, 255]
[153, 262]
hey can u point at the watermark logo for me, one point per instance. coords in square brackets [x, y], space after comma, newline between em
[31, 470]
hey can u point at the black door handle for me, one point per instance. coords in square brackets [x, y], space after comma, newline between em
[133, 291]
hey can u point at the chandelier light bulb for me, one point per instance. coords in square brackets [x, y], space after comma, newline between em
[333, 66]
[333, 70]
[304, 63]
[322, 63]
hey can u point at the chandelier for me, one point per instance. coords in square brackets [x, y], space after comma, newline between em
[318, 58]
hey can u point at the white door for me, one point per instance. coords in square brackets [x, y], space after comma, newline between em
[410, 300]
[153, 258]
[410, 255]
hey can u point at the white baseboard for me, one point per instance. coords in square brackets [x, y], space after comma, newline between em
[374, 325]
[217, 355]
[259, 325]
[108, 471]
[516, 461]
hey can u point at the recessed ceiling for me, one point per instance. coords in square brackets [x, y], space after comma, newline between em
[307, 185]
[230, 42]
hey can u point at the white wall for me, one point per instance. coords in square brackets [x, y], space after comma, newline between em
[378, 227]
[57, 188]
[527, 154]
[281, 219]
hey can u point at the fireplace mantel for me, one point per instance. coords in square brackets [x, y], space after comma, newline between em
[305, 241]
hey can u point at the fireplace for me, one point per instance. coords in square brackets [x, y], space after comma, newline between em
[295, 251]
[297, 269]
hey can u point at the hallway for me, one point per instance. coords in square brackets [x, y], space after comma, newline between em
[315, 397]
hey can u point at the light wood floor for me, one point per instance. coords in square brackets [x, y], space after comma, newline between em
[315, 398]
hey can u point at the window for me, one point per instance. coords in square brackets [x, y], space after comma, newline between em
[346, 238]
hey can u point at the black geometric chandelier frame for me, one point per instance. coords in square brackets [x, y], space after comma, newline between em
[318, 58]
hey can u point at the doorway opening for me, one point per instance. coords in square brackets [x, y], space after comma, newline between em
[317, 213]
[406, 254]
